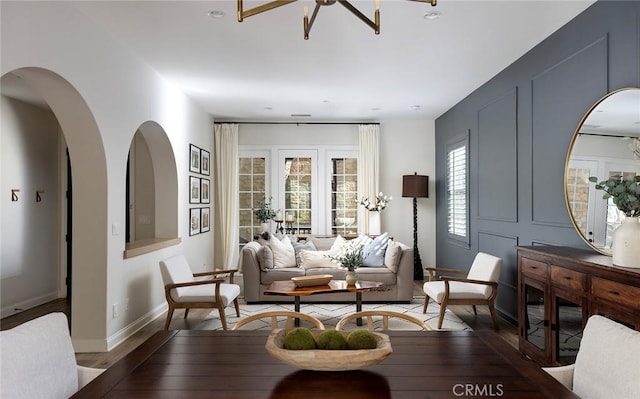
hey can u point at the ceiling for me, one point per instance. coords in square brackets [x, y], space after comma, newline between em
[263, 70]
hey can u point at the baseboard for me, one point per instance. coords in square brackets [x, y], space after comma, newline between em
[128, 331]
[18, 307]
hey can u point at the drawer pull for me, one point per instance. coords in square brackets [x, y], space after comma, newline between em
[614, 292]
[567, 278]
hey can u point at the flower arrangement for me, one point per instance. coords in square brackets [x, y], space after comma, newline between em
[350, 257]
[264, 213]
[381, 202]
[624, 191]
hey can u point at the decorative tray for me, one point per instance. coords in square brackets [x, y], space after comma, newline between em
[328, 360]
[310, 281]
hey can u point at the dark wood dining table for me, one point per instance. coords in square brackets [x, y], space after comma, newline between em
[235, 364]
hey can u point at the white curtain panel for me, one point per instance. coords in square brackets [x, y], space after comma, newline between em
[226, 200]
[368, 169]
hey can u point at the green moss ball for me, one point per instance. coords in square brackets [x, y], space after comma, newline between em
[361, 339]
[331, 339]
[299, 338]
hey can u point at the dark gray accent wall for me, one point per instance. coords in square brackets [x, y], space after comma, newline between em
[520, 125]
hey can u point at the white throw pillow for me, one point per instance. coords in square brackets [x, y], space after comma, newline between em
[283, 253]
[392, 256]
[315, 259]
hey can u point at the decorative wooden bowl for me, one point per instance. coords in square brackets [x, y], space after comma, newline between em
[328, 360]
[310, 281]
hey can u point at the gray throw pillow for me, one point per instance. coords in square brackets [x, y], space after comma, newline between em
[299, 246]
[375, 251]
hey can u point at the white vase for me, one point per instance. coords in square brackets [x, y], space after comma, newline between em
[351, 278]
[266, 226]
[626, 243]
[374, 224]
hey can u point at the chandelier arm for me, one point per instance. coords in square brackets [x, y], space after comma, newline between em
[363, 18]
[309, 24]
[432, 2]
[260, 9]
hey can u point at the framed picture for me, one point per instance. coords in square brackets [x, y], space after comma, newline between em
[204, 191]
[194, 221]
[194, 190]
[205, 220]
[204, 162]
[194, 159]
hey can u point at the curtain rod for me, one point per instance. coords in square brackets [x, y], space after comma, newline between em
[301, 123]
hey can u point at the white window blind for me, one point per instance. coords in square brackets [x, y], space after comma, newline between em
[457, 190]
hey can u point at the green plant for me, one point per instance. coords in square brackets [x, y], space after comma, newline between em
[350, 257]
[625, 193]
[264, 213]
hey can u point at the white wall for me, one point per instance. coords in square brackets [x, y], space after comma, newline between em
[30, 244]
[118, 93]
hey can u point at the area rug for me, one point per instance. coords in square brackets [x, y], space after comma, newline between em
[331, 313]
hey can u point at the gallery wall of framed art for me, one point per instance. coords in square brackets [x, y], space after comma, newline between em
[199, 190]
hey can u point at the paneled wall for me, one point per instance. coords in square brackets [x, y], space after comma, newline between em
[520, 124]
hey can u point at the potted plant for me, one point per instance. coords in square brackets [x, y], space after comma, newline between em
[625, 194]
[264, 213]
[375, 207]
[350, 258]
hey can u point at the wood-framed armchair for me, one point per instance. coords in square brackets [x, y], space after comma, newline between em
[185, 290]
[478, 287]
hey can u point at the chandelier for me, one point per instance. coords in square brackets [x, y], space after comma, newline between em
[308, 23]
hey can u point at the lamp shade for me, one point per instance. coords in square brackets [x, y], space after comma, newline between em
[415, 186]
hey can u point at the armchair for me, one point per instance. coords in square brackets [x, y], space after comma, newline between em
[479, 287]
[606, 364]
[184, 289]
[38, 360]
[385, 315]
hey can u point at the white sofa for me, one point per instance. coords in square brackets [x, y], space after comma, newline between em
[396, 273]
[608, 362]
[38, 360]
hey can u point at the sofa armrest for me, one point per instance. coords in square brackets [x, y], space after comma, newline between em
[86, 375]
[564, 374]
[250, 267]
[404, 274]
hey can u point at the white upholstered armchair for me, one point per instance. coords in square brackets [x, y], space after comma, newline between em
[184, 290]
[608, 362]
[38, 360]
[478, 287]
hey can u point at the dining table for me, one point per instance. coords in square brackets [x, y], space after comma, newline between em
[235, 364]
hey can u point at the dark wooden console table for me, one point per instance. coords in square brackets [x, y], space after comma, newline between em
[559, 288]
[235, 364]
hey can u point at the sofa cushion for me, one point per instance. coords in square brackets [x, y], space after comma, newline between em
[337, 273]
[375, 251]
[393, 255]
[283, 253]
[317, 259]
[283, 273]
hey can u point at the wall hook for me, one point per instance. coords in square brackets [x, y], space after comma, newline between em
[38, 196]
[14, 194]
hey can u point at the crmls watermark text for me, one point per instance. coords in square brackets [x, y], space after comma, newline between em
[477, 390]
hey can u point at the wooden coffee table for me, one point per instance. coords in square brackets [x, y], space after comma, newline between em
[289, 288]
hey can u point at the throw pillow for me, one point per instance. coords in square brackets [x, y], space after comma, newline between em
[265, 257]
[376, 250]
[392, 257]
[337, 245]
[283, 252]
[299, 246]
[315, 259]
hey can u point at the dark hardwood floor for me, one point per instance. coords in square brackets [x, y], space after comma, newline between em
[507, 331]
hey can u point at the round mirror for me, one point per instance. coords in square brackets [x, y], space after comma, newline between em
[605, 143]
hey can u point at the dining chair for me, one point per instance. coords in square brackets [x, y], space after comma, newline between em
[478, 287]
[38, 360]
[274, 315]
[185, 290]
[606, 365]
[372, 315]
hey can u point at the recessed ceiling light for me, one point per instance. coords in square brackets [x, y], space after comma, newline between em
[375, 109]
[325, 101]
[300, 115]
[415, 107]
[268, 108]
[432, 15]
[216, 14]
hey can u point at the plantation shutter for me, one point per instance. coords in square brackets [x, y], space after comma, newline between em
[457, 190]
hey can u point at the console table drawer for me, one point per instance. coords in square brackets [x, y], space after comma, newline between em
[568, 278]
[623, 294]
[534, 267]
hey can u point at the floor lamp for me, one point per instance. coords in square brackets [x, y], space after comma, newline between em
[416, 186]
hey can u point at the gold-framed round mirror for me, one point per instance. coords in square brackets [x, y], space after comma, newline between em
[605, 143]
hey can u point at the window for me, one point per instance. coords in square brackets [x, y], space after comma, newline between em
[457, 204]
[298, 190]
[252, 188]
[344, 192]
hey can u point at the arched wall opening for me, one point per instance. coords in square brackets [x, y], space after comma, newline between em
[90, 198]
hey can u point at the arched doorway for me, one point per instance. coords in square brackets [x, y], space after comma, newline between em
[89, 212]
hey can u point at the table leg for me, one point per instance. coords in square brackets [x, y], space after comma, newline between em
[359, 307]
[296, 307]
